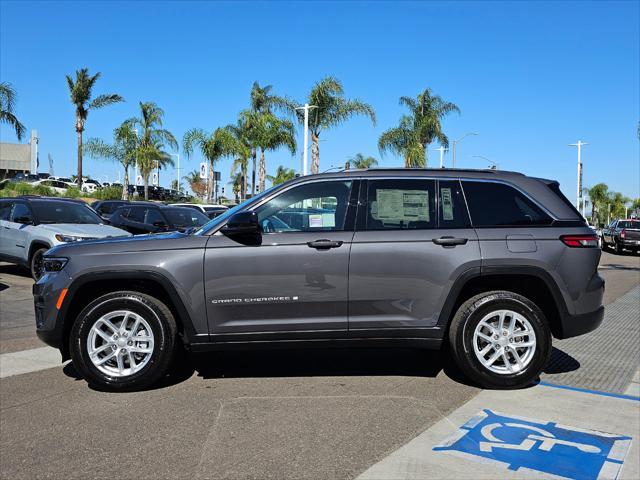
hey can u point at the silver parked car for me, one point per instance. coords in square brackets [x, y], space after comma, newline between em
[29, 226]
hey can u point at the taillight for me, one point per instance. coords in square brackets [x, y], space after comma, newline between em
[580, 241]
[623, 233]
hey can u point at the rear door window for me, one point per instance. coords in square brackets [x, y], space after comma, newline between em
[494, 204]
[402, 204]
[5, 210]
[20, 210]
[136, 214]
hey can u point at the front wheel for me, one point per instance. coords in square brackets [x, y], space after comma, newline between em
[123, 341]
[37, 263]
[500, 339]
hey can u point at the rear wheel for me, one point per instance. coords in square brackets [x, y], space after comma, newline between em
[36, 263]
[618, 247]
[500, 340]
[123, 341]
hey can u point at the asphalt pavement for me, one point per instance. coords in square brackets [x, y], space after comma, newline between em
[288, 414]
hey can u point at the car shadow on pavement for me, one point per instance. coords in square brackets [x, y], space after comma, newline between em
[561, 362]
[10, 269]
[313, 362]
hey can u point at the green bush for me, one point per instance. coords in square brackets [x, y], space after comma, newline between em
[109, 193]
[73, 192]
[23, 188]
[43, 190]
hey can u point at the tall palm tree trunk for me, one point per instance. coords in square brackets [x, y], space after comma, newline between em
[79, 179]
[263, 171]
[146, 187]
[210, 182]
[125, 187]
[315, 153]
[253, 172]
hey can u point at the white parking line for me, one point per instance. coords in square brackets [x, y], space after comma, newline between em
[26, 361]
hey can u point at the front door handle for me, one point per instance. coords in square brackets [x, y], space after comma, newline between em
[324, 244]
[450, 241]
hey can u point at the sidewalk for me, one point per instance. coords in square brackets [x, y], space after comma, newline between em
[577, 410]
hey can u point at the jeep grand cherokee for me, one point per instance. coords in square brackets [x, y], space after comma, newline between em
[493, 264]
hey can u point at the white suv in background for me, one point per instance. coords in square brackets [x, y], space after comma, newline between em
[210, 210]
[29, 226]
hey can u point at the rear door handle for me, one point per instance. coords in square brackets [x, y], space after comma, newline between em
[450, 241]
[324, 244]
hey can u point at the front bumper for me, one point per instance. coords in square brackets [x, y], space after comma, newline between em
[46, 291]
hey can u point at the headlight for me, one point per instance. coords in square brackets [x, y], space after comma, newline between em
[70, 238]
[54, 264]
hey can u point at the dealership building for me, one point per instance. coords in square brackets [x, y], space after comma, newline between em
[19, 157]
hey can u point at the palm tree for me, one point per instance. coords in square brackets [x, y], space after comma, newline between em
[618, 202]
[195, 183]
[598, 195]
[263, 101]
[418, 129]
[331, 109]
[283, 174]
[152, 139]
[221, 143]
[236, 183]
[273, 132]
[80, 90]
[7, 103]
[123, 150]
[360, 161]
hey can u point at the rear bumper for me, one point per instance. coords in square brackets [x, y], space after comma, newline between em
[630, 243]
[574, 325]
[591, 301]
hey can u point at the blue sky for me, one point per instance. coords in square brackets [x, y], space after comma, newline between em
[530, 78]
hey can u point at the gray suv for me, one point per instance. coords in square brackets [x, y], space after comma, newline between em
[489, 264]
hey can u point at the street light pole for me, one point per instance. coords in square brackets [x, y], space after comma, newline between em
[135, 181]
[442, 150]
[455, 142]
[580, 144]
[305, 154]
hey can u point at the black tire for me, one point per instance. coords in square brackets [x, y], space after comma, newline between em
[161, 322]
[462, 329]
[618, 247]
[35, 263]
[603, 245]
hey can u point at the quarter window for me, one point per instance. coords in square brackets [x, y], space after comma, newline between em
[400, 205]
[499, 205]
[451, 205]
[5, 210]
[316, 206]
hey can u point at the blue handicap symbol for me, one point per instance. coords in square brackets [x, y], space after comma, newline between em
[544, 447]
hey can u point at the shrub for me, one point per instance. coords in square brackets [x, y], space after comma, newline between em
[73, 192]
[43, 190]
[23, 188]
[109, 193]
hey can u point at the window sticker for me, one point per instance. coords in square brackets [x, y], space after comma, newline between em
[315, 221]
[447, 204]
[401, 205]
[329, 219]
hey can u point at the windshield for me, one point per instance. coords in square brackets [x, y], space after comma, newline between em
[64, 212]
[185, 217]
[629, 224]
[223, 218]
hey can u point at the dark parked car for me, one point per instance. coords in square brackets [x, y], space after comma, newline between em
[105, 208]
[491, 264]
[621, 234]
[153, 218]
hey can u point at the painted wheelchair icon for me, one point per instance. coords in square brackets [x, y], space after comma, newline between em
[530, 445]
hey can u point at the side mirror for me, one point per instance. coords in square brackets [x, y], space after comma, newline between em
[242, 223]
[23, 220]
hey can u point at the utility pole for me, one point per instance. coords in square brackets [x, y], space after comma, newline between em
[455, 142]
[580, 144]
[442, 150]
[305, 153]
